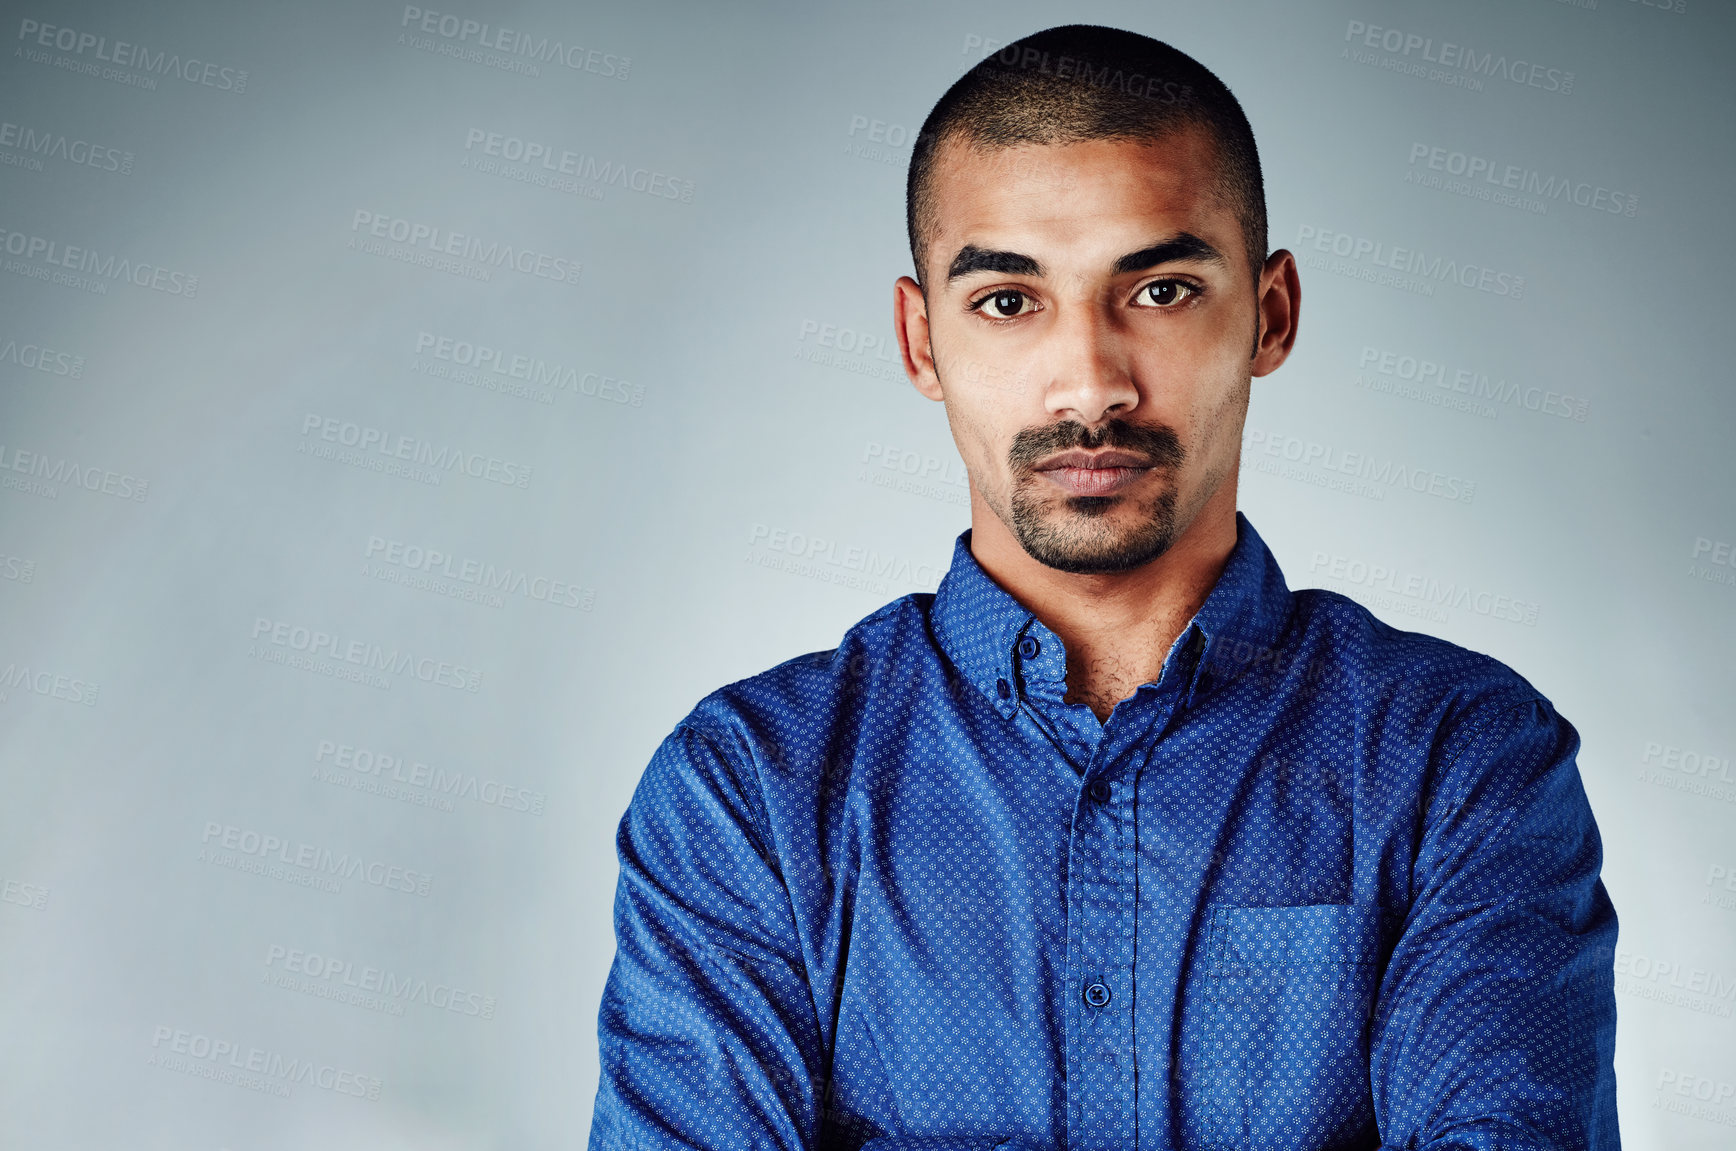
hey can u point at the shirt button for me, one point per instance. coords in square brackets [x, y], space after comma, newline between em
[1096, 994]
[1098, 790]
[1029, 647]
[1003, 689]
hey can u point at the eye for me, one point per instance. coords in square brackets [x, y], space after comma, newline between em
[1165, 293]
[1003, 304]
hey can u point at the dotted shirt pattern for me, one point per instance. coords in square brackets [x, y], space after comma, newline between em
[1324, 884]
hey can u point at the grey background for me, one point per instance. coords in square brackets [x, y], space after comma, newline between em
[673, 503]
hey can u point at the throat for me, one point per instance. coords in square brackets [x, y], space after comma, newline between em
[1102, 692]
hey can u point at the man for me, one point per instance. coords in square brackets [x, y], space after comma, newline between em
[1113, 841]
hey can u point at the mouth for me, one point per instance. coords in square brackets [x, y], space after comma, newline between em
[1095, 473]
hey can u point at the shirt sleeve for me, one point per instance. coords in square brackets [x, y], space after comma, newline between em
[1495, 1027]
[926, 1143]
[708, 1036]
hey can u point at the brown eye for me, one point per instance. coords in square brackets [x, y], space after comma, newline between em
[1166, 293]
[1006, 304]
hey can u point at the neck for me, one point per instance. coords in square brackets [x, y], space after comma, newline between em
[1118, 626]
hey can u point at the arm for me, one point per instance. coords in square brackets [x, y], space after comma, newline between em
[707, 1034]
[1495, 1027]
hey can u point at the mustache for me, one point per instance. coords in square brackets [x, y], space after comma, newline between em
[1157, 442]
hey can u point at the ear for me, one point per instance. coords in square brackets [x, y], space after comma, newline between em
[910, 319]
[1279, 303]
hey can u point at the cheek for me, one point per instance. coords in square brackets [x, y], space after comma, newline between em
[985, 407]
[971, 434]
[1218, 430]
[1200, 391]
[985, 382]
[1187, 383]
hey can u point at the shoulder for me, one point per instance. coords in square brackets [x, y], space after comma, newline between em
[1342, 639]
[790, 711]
[763, 751]
[1465, 719]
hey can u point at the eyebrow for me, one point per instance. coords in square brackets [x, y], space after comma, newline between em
[1181, 246]
[971, 258]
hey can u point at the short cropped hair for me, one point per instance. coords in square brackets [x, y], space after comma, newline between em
[1084, 82]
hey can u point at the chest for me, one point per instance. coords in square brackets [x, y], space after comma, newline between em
[1181, 939]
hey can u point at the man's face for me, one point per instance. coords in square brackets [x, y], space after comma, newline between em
[1092, 322]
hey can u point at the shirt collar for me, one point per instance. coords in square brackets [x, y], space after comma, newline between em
[980, 625]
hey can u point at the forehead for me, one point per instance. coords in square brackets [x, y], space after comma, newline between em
[1077, 199]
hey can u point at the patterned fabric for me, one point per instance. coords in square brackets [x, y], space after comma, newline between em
[1324, 884]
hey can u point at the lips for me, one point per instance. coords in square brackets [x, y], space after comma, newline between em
[1095, 473]
[1094, 460]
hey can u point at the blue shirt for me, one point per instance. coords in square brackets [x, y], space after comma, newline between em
[1324, 884]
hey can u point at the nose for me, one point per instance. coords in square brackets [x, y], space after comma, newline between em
[1088, 368]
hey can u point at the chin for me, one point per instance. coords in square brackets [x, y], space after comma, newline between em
[1084, 541]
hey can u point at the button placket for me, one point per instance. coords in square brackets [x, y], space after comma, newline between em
[1100, 1088]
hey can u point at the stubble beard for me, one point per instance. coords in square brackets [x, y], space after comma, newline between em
[1074, 533]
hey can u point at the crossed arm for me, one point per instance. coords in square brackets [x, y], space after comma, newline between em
[1493, 1029]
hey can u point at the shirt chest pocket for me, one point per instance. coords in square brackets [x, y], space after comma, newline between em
[1275, 1046]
